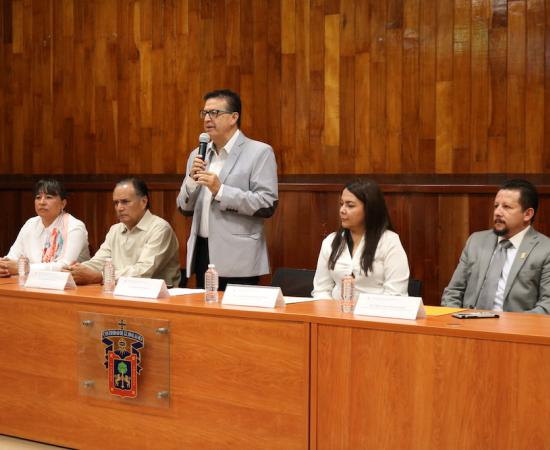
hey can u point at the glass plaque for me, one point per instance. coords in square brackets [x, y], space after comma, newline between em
[124, 359]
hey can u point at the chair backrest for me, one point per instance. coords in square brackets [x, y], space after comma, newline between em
[294, 282]
[415, 288]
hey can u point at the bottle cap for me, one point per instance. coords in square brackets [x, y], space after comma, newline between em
[211, 266]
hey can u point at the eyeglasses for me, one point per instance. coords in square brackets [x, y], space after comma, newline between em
[213, 113]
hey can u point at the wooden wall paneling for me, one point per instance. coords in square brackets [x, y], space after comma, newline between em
[394, 86]
[348, 117]
[480, 87]
[113, 87]
[160, 88]
[423, 224]
[302, 53]
[480, 212]
[332, 93]
[62, 84]
[427, 80]
[546, 148]
[542, 221]
[410, 85]
[363, 152]
[515, 110]
[12, 203]
[534, 79]
[498, 48]
[183, 103]
[452, 234]
[269, 112]
[444, 88]
[377, 79]
[288, 80]
[444, 127]
[146, 88]
[461, 86]
[316, 110]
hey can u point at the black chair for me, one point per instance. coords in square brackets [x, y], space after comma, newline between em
[294, 282]
[415, 288]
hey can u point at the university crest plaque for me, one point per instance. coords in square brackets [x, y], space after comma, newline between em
[123, 358]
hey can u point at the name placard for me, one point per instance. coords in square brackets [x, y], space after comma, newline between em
[141, 287]
[47, 279]
[262, 296]
[391, 306]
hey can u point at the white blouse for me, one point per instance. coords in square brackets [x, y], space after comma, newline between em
[389, 275]
[33, 236]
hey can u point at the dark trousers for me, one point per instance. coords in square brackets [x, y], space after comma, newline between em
[202, 259]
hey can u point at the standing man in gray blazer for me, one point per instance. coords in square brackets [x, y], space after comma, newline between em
[506, 268]
[229, 195]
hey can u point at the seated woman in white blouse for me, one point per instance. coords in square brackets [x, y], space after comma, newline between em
[51, 240]
[365, 246]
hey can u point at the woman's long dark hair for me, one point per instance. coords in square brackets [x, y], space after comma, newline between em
[377, 220]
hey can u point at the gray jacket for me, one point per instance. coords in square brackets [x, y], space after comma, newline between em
[236, 239]
[528, 285]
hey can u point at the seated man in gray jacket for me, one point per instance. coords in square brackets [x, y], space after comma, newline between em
[506, 268]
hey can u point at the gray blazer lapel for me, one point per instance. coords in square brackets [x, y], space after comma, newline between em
[488, 248]
[232, 158]
[529, 242]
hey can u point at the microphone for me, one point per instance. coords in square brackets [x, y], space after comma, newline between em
[204, 138]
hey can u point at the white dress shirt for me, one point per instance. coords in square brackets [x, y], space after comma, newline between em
[33, 236]
[510, 256]
[217, 159]
[389, 275]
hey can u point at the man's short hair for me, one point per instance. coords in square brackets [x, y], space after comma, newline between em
[140, 188]
[232, 98]
[528, 195]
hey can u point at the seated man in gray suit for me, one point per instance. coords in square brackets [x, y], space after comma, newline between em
[506, 268]
[229, 194]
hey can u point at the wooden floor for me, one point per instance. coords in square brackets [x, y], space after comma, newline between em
[11, 443]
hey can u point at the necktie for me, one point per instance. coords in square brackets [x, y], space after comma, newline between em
[486, 298]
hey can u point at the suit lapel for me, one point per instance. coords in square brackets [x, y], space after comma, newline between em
[488, 247]
[232, 157]
[529, 242]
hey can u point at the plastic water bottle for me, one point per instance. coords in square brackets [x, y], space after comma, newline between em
[23, 269]
[348, 293]
[109, 276]
[211, 284]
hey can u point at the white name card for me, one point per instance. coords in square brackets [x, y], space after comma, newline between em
[391, 306]
[262, 296]
[47, 279]
[141, 287]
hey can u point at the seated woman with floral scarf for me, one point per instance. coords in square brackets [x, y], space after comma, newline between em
[53, 239]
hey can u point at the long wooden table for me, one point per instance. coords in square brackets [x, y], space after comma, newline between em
[302, 376]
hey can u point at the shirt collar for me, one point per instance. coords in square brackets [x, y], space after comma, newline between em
[143, 224]
[229, 144]
[517, 238]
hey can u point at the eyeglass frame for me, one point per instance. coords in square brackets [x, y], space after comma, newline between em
[217, 113]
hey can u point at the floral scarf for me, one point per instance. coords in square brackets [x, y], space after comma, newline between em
[53, 247]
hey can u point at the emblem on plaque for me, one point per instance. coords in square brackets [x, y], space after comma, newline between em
[123, 359]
